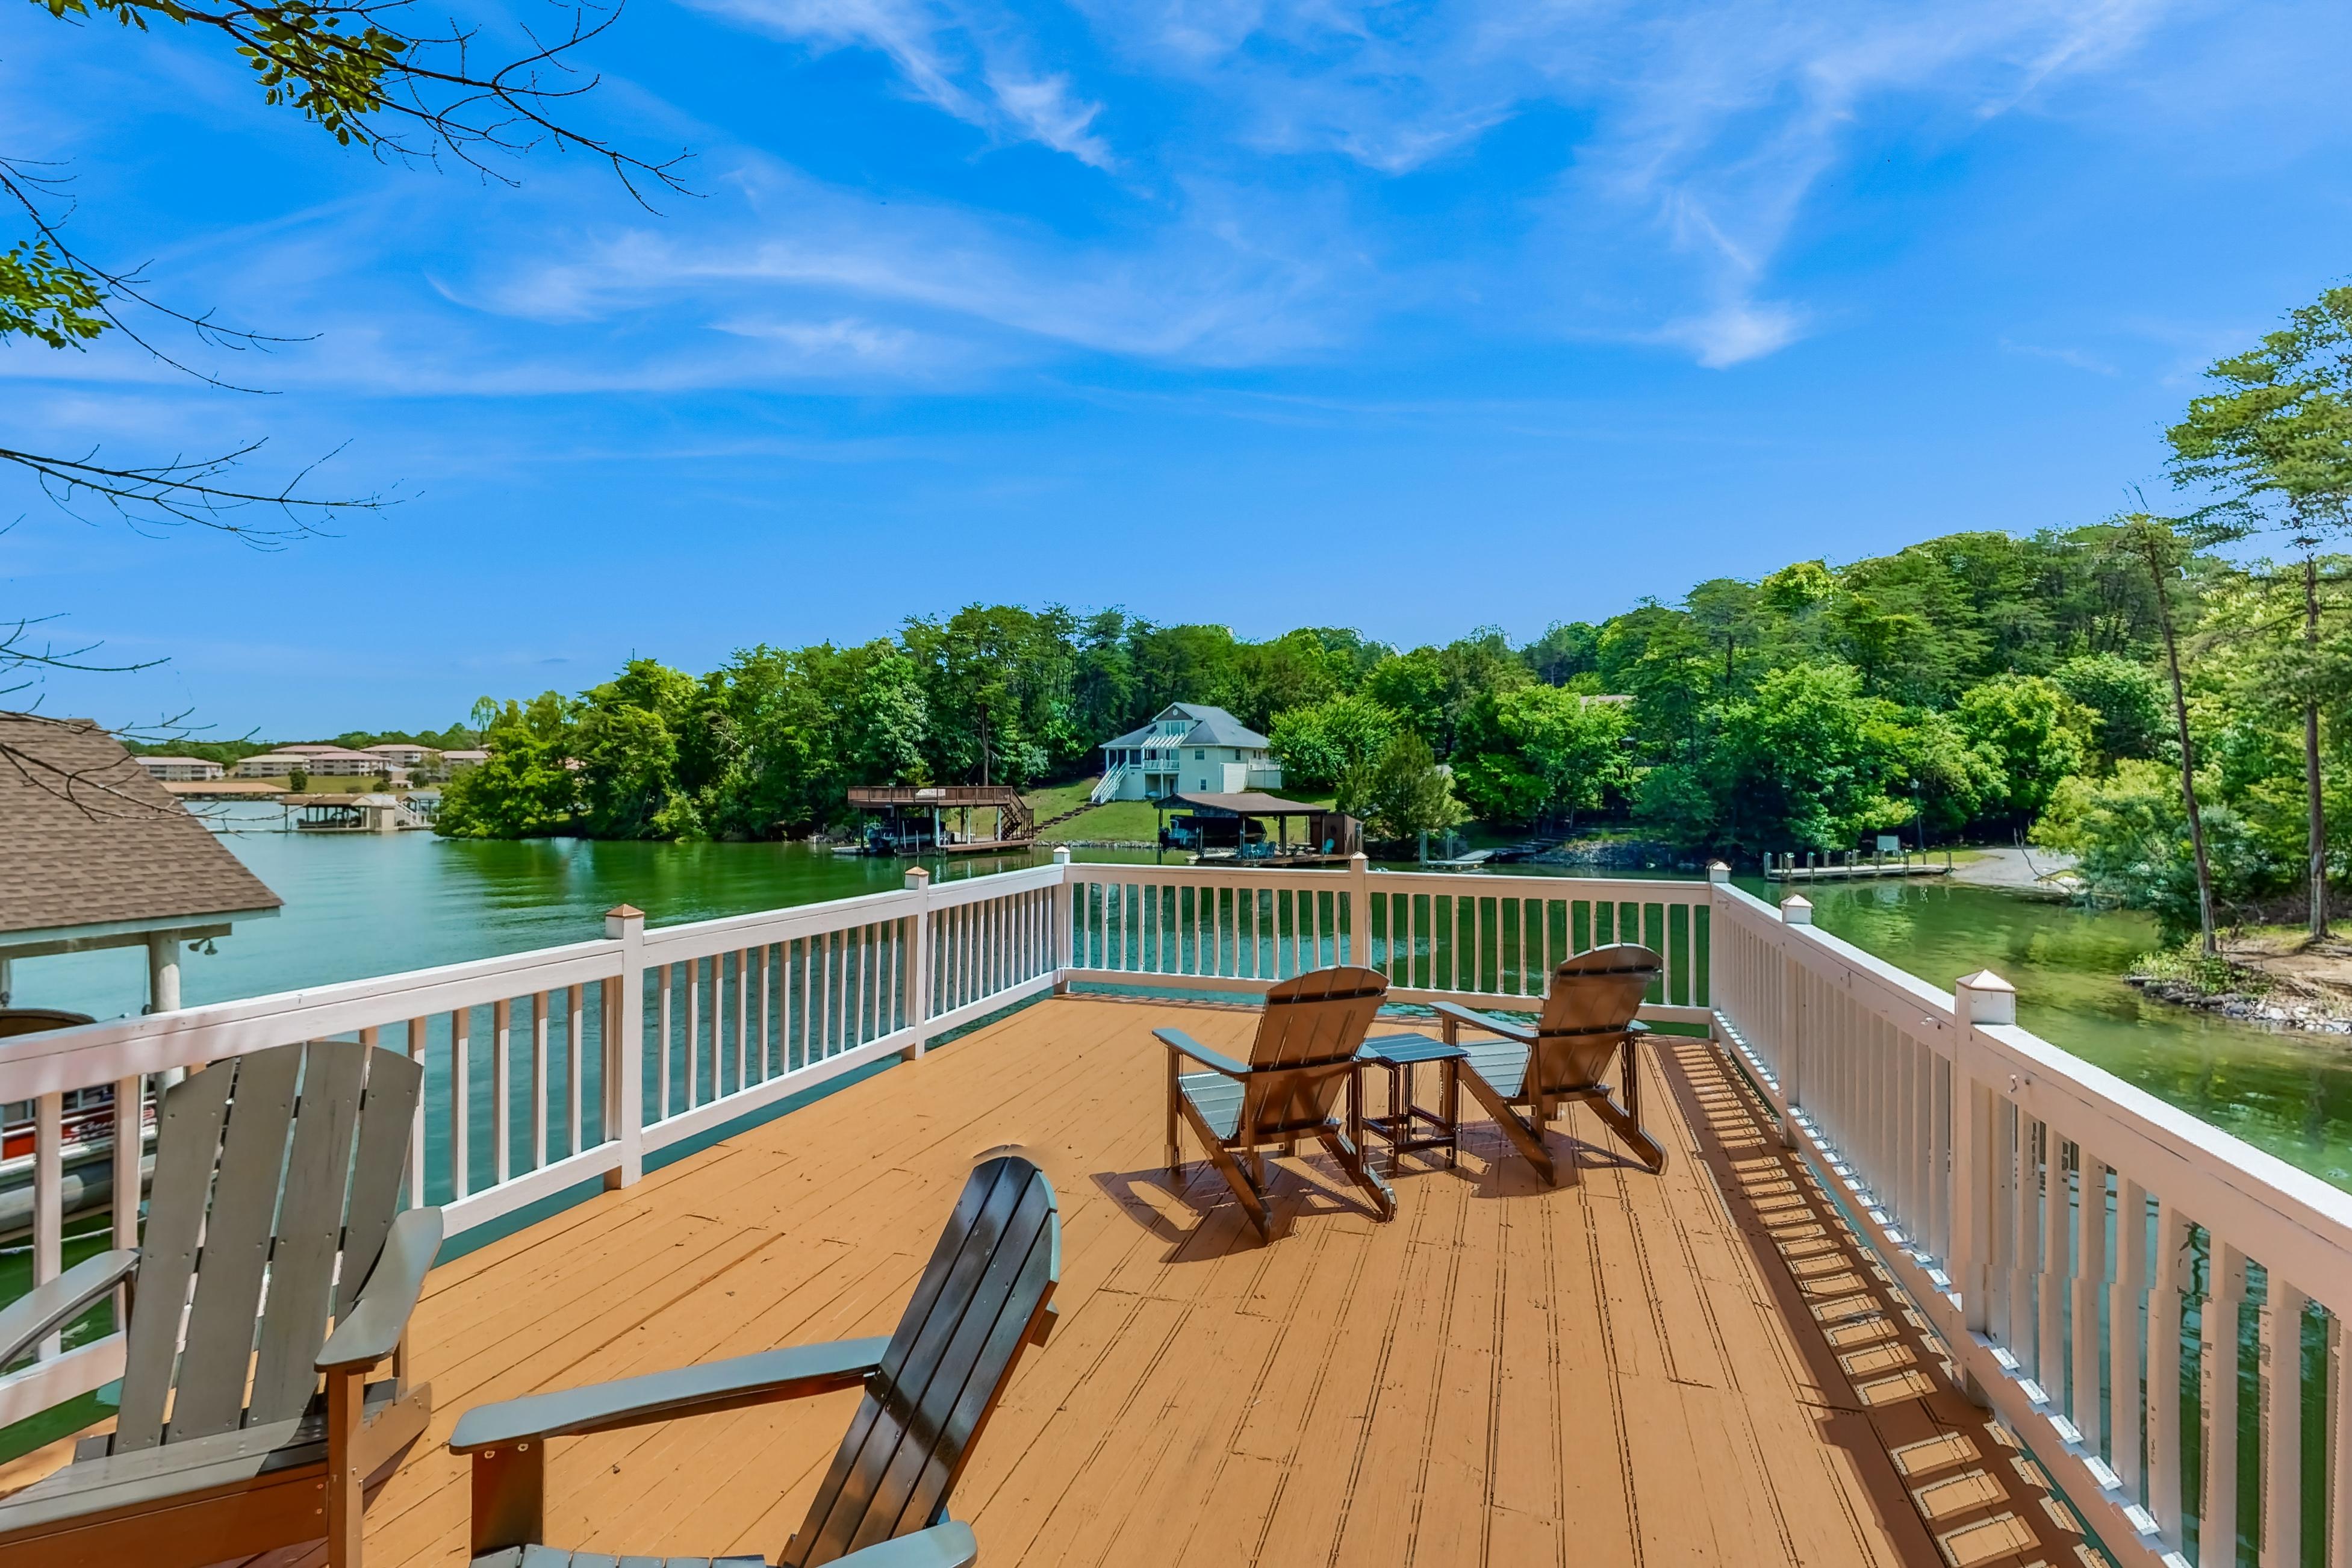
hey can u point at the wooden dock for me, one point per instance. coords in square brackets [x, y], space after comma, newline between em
[1858, 873]
[1700, 1367]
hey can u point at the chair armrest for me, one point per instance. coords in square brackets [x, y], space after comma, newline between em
[1456, 1015]
[28, 1317]
[948, 1545]
[1184, 1045]
[371, 1331]
[704, 1389]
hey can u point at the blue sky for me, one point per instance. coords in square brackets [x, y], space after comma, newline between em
[1408, 317]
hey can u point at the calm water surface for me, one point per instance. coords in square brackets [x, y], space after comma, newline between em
[360, 905]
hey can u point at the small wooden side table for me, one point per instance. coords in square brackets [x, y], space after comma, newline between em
[1408, 1127]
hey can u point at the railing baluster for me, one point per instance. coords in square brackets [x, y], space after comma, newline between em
[823, 1048]
[2025, 1240]
[767, 1005]
[2217, 1368]
[501, 1090]
[2279, 1395]
[575, 1034]
[541, 1003]
[788, 970]
[2090, 1282]
[661, 1071]
[48, 1198]
[130, 1146]
[2339, 1430]
[2166, 1296]
[739, 1035]
[461, 1088]
[2124, 1342]
[2049, 1292]
[417, 1029]
[693, 1033]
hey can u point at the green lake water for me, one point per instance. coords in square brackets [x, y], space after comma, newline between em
[360, 905]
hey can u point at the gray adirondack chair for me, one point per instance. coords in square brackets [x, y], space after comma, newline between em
[276, 1177]
[1303, 1056]
[930, 1389]
[1588, 1016]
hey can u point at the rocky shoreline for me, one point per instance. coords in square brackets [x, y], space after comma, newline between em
[1616, 854]
[2317, 1017]
[2280, 978]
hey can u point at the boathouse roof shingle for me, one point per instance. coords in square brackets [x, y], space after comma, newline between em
[88, 837]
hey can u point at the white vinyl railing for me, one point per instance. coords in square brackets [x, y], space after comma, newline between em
[2149, 1301]
[568, 1064]
[1485, 941]
[2154, 1305]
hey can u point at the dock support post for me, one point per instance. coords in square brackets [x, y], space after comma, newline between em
[624, 1046]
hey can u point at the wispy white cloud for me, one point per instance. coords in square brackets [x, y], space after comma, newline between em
[1701, 131]
[973, 64]
[2076, 358]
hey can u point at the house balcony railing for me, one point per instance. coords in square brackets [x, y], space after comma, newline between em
[2086, 1253]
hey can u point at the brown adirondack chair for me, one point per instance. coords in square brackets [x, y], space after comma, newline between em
[1588, 1016]
[929, 1388]
[269, 1168]
[1303, 1055]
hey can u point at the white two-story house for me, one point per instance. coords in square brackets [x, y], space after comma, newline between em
[1187, 749]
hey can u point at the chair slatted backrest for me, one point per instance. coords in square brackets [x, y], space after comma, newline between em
[269, 1167]
[980, 1298]
[1592, 998]
[1315, 1020]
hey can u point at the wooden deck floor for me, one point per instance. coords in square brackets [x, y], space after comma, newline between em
[1629, 1369]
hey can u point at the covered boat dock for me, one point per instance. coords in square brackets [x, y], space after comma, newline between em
[1231, 827]
[942, 820]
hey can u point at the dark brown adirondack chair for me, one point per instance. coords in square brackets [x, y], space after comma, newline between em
[1303, 1055]
[269, 1169]
[929, 1388]
[1588, 1016]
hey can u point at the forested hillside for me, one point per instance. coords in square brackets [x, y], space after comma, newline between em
[1961, 680]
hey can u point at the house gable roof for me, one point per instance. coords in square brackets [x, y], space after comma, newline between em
[90, 838]
[1210, 726]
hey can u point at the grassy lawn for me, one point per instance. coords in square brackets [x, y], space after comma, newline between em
[1133, 821]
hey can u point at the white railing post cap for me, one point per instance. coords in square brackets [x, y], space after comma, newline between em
[1061, 854]
[1716, 871]
[620, 915]
[919, 877]
[1985, 997]
[1797, 909]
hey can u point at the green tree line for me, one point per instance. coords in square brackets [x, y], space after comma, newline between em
[1953, 684]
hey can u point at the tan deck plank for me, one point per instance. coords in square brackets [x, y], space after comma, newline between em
[1620, 1370]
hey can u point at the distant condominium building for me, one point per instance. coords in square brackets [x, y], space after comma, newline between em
[179, 770]
[459, 762]
[319, 762]
[398, 752]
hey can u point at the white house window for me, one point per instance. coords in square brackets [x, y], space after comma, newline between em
[1198, 755]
